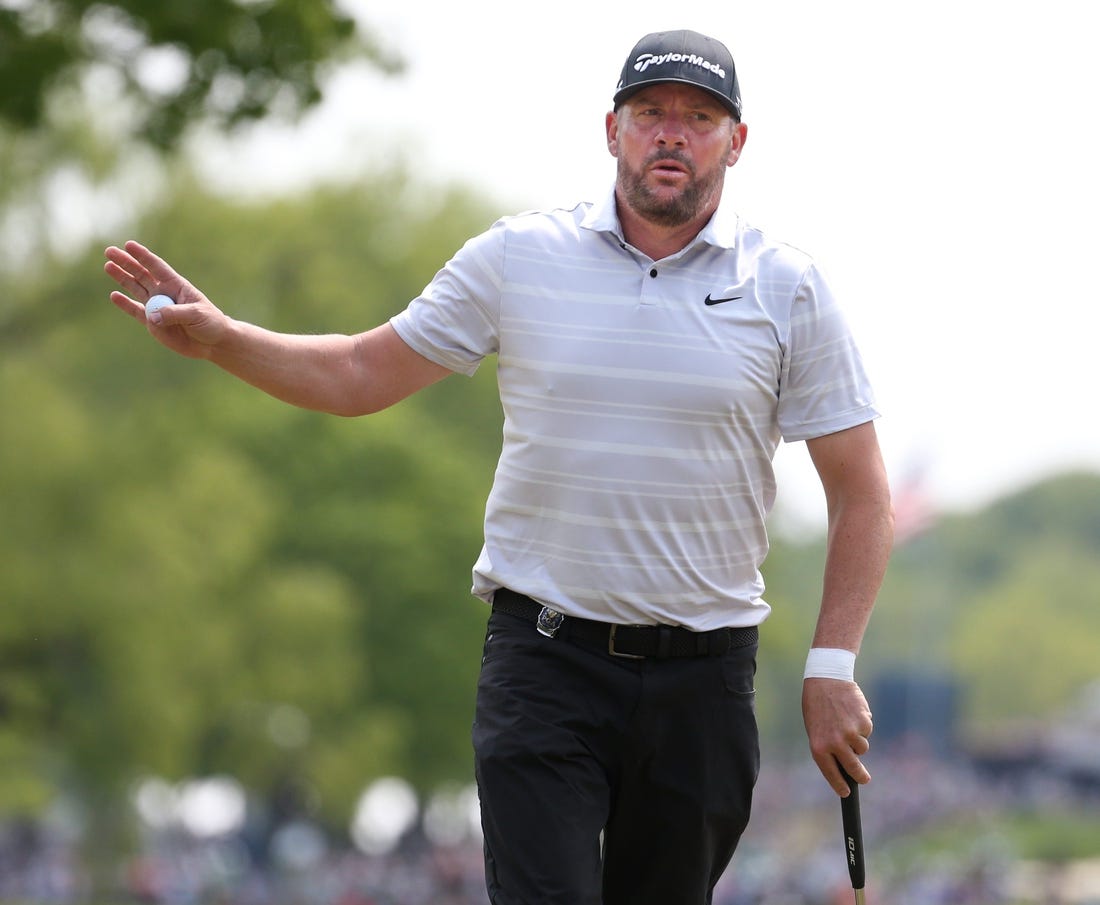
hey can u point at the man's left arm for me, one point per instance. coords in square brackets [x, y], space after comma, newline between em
[861, 532]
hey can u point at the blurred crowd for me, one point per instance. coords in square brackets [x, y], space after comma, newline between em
[792, 854]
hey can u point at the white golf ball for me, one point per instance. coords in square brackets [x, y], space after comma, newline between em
[156, 303]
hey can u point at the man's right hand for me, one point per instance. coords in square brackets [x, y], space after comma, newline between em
[191, 327]
[336, 373]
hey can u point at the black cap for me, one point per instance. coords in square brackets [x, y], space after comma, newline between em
[681, 56]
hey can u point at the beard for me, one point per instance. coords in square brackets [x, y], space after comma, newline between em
[666, 210]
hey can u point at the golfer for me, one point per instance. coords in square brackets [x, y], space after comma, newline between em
[652, 351]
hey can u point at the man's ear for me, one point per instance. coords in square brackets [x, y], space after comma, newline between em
[737, 143]
[611, 124]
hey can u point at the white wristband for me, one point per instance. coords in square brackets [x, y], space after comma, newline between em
[830, 663]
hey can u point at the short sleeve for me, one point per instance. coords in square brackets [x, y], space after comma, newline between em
[455, 321]
[824, 386]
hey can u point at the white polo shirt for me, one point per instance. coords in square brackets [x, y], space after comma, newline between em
[643, 402]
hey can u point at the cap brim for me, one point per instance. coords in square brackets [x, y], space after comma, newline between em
[623, 94]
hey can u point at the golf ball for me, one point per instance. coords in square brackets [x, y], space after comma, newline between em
[156, 303]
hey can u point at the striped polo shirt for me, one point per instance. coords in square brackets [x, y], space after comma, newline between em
[643, 401]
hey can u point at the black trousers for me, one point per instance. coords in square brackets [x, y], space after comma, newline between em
[606, 781]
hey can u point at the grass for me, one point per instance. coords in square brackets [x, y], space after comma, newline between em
[1055, 836]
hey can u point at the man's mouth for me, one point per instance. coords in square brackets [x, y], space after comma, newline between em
[667, 165]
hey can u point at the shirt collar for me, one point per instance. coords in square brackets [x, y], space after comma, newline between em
[603, 217]
[721, 230]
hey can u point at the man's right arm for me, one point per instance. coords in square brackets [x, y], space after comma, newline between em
[344, 375]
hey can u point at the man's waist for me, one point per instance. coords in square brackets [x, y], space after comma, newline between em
[630, 641]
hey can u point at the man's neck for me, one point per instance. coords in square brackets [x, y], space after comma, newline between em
[655, 239]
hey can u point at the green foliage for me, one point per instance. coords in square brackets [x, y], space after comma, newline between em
[98, 97]
[793, 575]
[235, 60]
[187, 565]
[1029, 641]
[1001, 600]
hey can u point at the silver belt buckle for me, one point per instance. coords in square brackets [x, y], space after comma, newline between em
[618, 653]
[549, 622]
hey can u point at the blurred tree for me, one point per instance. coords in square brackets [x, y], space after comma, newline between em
[98, 94]
[197, 578]
[793, 578]
[171, 64]
[1000, 601]
[1027, 644]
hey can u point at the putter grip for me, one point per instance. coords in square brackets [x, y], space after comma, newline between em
[853, 833]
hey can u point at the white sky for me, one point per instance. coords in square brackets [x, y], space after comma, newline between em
[936, 159]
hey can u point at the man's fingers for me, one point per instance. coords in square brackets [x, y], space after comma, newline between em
[854, 767]
[155, 266]
[127, 274]
[830, 768]
[140, 272]
[830, 762]
[126, 304]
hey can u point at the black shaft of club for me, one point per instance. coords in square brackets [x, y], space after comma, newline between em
[853, 833]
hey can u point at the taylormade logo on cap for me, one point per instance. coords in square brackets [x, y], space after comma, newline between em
[681, 56]
[646, 60]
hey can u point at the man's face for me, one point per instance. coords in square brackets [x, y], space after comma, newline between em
[673, 143]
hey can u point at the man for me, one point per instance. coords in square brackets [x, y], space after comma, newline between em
[652, 350]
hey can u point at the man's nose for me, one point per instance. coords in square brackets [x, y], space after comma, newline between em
[672, 132]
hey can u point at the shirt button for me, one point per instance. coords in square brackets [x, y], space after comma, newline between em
[653, 272]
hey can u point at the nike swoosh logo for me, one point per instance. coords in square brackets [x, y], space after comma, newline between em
[709, 301]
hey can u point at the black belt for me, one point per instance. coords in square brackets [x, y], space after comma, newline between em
[635, 642]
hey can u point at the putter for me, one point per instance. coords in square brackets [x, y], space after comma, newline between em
[853, 837]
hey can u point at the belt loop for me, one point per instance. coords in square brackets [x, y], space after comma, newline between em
[702, 644]
[664, 641]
